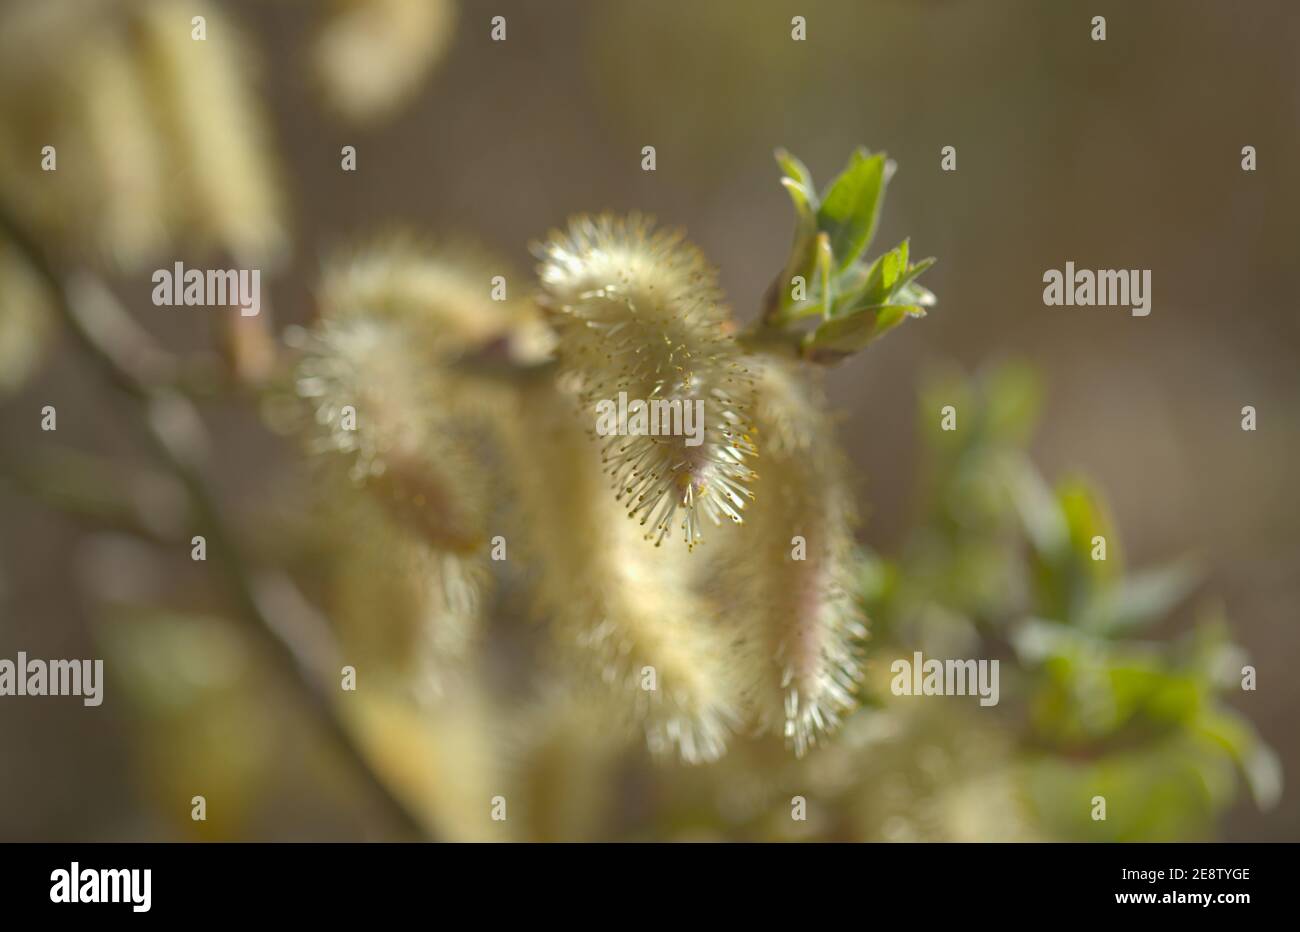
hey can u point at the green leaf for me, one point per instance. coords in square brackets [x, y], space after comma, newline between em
[1041, 516]
[825, 259]
[850, 206]
[1140, 599]
[883, 282]
[831, 236]
[915, 294]
[803, 200]
[895, 265]
[1012, 400]
[841, 336]
[1258, 762]
[912, 274]
[798, 177]
[1087, 518]
[798, 183]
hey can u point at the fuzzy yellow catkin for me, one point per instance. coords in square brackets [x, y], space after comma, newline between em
[155, 138]
[387, 404]
[641, 318]
[379, 373]
[440, 293]
[406, 611]
[787, 575]
[622, 610]
[213, 126]
[370, 56]
[565, 758]
[442, 760]
[124, 150]
[412, 570]
[27, 319]
[79, 158]
[383, 407]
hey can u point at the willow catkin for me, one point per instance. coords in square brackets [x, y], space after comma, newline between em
[154, 138]
[622, 610]
[380, 404]
[386, 404]
[215, 134]
[440, 293]
[80, 155]
[566, 758]
[412, 552]
[443, 761]
[27, 319]
[378, 372]
[124, 151]
[787, 575]
[370, 56]
[404, 608]
[640, 319]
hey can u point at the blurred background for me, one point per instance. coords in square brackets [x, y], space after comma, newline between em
[1117, 154]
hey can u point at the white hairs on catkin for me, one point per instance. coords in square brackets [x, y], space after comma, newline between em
[385, 404]
[380, 407]
[639, 312]
[158, 138]
[439, 293]
[402, 606]
[787, 575]
[371, 56]
[620, 610]
[396, 315]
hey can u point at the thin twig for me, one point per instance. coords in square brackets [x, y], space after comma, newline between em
[173, 429]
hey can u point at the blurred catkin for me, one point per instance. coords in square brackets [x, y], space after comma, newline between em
[442, 759]
[406, 612]
[371, 56]
[566, 773]
[26, 319]
[388, 407]
[411, 577]
[438, 293]
[787, 574]
[380, 373]
[158, 138]
[214, 128]
[380, 407]
[624, 611]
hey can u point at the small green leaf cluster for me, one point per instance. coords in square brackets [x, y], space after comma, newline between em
[826, 276]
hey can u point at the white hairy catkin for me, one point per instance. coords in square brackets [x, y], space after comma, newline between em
[566, 753]
[441, 760]
[408, 587]
[639, 314]
[387, 404]
[380, 406]
[402, 606]
[802, 625]
[378, 373]
[370, 56]
[156, 139]
[618, 607]
[27, 319]
[439, 293]
[68, 80]
[214, 129]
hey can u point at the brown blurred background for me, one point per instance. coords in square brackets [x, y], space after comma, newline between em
[1115, 154]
